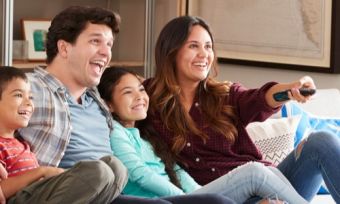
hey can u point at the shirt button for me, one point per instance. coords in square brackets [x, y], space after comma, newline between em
[197, 159]
[197, 104]
[213, 169]
[188, 144]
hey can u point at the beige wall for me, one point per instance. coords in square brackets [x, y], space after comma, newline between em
[256, 76]
[247, 75]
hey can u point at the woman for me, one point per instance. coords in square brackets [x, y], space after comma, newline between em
[203, 121]
[148, 177]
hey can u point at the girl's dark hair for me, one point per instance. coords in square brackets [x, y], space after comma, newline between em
[110, 78]
[108, 81]
[7, 74]
[69, 23]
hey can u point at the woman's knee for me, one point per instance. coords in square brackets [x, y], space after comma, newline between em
[256, 169]
[318, 142]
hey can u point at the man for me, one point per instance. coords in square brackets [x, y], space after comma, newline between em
[71, 123]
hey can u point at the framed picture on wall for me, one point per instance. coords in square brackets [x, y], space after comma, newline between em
[34, 32]
[300, 35]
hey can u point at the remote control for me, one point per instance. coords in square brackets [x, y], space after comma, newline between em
[283, 95]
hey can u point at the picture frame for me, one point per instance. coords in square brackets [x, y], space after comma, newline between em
[298, 35]
[34, 32]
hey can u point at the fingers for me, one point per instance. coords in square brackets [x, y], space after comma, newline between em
[304, 82]
[3, 172]
[294, 94]
[307, 82]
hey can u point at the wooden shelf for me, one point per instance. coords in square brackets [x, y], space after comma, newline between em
[24, 64]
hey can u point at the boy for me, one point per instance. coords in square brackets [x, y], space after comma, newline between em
[27, 182]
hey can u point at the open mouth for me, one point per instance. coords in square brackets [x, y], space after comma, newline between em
[138, 106]
[25, 113]
[100, 65]
[201, 65]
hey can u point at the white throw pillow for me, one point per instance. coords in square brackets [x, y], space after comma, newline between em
[274, 137]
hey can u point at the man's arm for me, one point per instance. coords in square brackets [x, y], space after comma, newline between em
[12, 185]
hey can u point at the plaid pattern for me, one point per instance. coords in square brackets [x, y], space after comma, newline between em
[208, 161]
[49, 129]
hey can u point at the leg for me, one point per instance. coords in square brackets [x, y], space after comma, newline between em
[200, 199]
[86, 182]
[119, 170]
[252, 179]
[123, 199]
[314, 159]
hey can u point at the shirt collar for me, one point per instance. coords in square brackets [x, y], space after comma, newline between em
[54, 84]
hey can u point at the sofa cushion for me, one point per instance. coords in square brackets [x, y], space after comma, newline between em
[274, 137]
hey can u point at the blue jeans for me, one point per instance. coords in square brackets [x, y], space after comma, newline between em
[253, 179]
[314, 159]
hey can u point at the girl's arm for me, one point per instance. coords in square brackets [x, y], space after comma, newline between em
[12, 185]
[187, 182]
[124, 147]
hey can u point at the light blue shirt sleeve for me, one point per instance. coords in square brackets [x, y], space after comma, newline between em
[125, 146]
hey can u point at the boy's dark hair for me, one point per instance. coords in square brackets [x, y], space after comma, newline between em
[69, 23]
[7, 74]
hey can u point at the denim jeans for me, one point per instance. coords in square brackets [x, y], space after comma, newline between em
[316, 158]
[253, 179]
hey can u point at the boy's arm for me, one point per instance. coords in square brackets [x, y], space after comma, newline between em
[3, 175]
[12, 185]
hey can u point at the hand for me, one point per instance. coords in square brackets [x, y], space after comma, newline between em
[3, 175]
[293, 93]
[304, 82]
[270, 201]
[49, 171]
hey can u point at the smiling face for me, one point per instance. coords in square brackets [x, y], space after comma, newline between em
[89, 55]
[195, 57]
[129, 100]
[16, 106]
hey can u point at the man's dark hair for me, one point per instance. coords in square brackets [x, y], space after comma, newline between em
[68, 24]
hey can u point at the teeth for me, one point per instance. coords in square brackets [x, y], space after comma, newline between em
[23, 112]
[99, 63]
[200, 64]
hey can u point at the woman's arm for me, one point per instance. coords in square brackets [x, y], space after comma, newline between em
[259, 104]
[293, 94]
